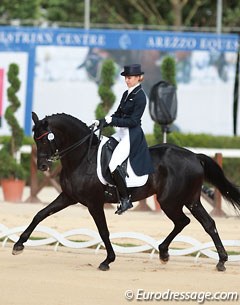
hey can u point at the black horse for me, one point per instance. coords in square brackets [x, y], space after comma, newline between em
[177, 182]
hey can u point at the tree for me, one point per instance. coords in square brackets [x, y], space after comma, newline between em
[168, 72]
[177, 13]
[105, 92]
[63, 11]
[8, 163]
[126, 13]
[16, 131]
[15, 9]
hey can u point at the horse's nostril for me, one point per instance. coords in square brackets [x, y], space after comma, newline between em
[43, 167]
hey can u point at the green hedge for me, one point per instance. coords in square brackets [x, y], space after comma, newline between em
[195, 140]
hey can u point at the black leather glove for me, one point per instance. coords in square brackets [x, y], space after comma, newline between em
[103, 123]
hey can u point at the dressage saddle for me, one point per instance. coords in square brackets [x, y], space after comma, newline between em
[107, 151]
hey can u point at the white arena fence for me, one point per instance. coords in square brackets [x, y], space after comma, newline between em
[94, 241]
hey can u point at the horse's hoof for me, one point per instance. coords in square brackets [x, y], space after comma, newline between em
[103, 267]
[17, 249]
[220, 266]
[164, 260]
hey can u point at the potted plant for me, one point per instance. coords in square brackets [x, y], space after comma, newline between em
[12, 173]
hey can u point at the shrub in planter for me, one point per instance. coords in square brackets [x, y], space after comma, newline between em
[9, 167]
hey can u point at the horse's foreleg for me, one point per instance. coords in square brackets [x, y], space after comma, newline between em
[209, 226]
[100, 220]
[180, 220]
[61, 202]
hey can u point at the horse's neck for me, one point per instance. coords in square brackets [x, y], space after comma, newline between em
[69, 131]
[72, 137]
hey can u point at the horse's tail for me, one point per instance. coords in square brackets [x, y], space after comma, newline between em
[215, 175]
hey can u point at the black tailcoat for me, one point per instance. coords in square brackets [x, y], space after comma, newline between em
[129, 114]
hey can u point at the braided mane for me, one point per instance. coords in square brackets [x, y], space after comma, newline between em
[72, 121]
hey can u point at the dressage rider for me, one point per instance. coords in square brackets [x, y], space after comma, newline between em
[129, 134]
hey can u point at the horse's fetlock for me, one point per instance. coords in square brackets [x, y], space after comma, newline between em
[112, 258]
[162, 248]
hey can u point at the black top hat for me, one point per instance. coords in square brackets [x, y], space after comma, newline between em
[132, 70]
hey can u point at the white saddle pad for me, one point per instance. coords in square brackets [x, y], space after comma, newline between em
[132, 181]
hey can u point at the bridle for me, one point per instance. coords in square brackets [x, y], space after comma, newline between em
[57, 154]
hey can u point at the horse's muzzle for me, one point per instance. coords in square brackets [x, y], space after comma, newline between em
[42, 162]
[43, 167]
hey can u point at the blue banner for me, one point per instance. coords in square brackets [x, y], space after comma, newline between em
[22, 37]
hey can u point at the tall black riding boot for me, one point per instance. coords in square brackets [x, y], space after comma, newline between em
[122, 189]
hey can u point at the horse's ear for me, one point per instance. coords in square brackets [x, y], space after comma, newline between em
[35, 118]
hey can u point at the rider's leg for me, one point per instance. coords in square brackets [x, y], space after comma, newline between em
[120, 182]
[120, 154]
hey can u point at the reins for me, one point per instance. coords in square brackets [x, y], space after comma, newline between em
[57, 155]
[67, 150]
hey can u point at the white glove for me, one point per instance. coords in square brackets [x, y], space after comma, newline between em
[95, 123]
[108, 119]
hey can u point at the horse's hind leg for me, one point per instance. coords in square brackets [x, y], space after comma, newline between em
[180, 221]
[209, 226]
[61, 202]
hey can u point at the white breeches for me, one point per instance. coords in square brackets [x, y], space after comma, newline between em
[122, 150]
